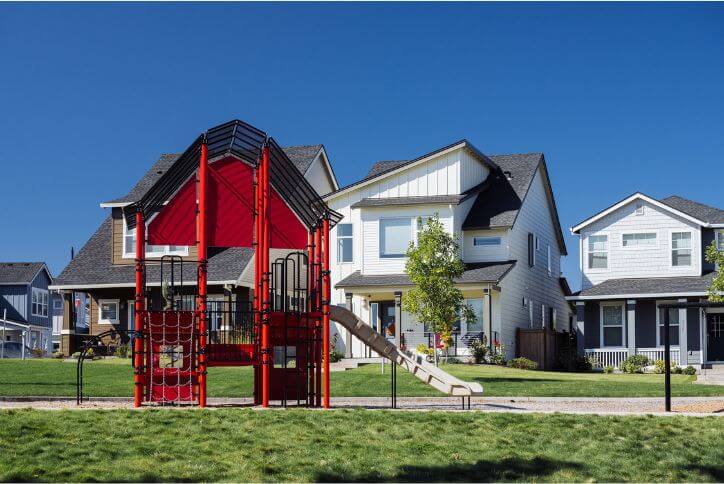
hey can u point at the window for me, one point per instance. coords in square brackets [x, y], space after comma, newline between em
[530, 312]
[531, 250]
[638, 240]
[108, 311]
[486, 241]
[285, 360]
[344, 243]
[681, 249]
[537, 243]
[525, 303]
[39, 302]
[543, 315]
[554, 318]
[673, 327]
[598, 251]
[720, 240]
[395, 237]
[129, 246]
[477, 306]
[612, 325]
[639, 208]
[549, 261]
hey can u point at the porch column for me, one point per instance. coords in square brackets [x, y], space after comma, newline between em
[398, 318]
[67, 332]
[683, 342]
[580, 316]
[348, 334]
[487, 319]
[631, 326]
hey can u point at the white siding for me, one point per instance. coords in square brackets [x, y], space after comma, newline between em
[646, 261]
[472, 172]
[486, 253]
[319, 177]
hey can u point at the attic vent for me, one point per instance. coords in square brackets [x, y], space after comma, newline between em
[508, 175]
[159, 172]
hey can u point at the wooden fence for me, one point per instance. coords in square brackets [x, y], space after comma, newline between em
[550, 349]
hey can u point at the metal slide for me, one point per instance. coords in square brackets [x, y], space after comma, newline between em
[415, 364]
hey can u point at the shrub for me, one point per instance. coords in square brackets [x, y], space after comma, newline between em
[583, 363]
[479, 349]
[121, 351]
[523, 364]
[608, 369]
[634, 364]
[659, 366]
[335, 356]
[689, 370]
[453, 361]
[58, 355]
[37, 352]
[677, 370]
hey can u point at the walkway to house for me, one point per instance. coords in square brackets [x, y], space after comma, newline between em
[694, 406]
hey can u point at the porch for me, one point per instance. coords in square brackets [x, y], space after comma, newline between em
[603, 357]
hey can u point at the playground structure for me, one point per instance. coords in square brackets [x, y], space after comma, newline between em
[235, 187]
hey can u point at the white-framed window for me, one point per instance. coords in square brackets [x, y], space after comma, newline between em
[477, 305]
[681, 253]
[537, 243]
[152, 251]
[550, 261]
[639, 207]
[612, 318]
[530, 312]
[598, 251]
[108, 311]
[543, 315]
[39, 302]
[554, 318]
[642, 239]
[720, 240]
[395, 237]
[487, 241]
[673, 325]
[345, 243]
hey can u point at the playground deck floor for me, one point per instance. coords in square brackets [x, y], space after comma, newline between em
[692, 406]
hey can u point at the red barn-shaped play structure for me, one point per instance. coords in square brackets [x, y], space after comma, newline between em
[234, 187]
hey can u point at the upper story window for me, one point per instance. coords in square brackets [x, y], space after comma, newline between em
[639, 239]
[487, 241]
[550, 261]
[598, 251]
[345, 243]
[39, 302]
[395, 236]
[681, 249]
[531, 249]
[129, 246]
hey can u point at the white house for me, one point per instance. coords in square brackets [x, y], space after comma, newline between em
[635, 256]
[502, 210]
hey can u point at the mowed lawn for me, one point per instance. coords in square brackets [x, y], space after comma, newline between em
[115, 378]
[354, 445]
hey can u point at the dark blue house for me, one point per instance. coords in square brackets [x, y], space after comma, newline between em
[25, 304]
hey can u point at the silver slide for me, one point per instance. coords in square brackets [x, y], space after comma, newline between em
[415, 364]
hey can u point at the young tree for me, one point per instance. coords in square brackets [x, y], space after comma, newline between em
[716, 289]
[432, 267]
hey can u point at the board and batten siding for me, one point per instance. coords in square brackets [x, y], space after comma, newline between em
[14, 299]
[41, 281]
[644, 261]
[533, 283]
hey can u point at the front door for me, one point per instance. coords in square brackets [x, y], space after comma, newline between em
[387, 318]
[715, 337]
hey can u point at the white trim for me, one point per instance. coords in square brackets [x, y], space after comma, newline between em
[627, 200]
[595, 270]
[115, 204]
[655, 245]
[133, 284]
[635, 296]
[488, 237]
[671, 249]
[67, 331]
[344, 237]
[108, 322]
[42, 293]
[412, 226]
[622, 326]
[149, 255]
[550, 262]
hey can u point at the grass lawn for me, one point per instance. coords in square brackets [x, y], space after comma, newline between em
[354, 445]
[115, 378]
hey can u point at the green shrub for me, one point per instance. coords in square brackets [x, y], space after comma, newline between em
[335, 356]
[479, 349]
[121, 351]
[677, 370]
[608, 369]
[453, 361]
[58, 355]
[523, 364]
[660, 366]
[689, 370]
[634, 364]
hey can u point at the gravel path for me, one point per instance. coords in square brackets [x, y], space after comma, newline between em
[694, 406]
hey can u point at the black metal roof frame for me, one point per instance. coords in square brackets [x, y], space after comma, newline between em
[244, 142]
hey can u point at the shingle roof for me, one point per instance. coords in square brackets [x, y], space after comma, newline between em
[474, 273]
[382, 166]
[699, 211]
[652, 285]
[19, 272]
[93, 264]
[302, 156]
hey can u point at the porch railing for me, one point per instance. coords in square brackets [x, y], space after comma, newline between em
[603, 357]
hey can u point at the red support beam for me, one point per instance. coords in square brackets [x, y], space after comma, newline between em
[318, 307]
[202, 269]
[138, 349]
[326, 297]
[257, 279]
[266, 302]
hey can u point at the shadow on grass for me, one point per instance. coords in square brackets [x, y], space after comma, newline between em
[483, 379]
[508, 469]
[713, 473]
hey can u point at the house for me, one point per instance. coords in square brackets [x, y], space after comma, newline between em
[636, 255]
[501, 209]
[24, 304]
[104, 268]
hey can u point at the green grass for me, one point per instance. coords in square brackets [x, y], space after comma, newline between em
[354, 445]
[114, 378]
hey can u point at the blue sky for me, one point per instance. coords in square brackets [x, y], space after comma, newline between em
[619, 97]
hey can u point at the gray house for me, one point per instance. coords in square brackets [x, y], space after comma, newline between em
[636, 255]
[25, 304]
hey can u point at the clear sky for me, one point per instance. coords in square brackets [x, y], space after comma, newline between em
[619, 97]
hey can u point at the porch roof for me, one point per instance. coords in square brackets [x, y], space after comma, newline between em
[491, 272]
[650, 287]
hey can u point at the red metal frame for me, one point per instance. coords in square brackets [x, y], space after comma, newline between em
[202, 265]
[140, 306]
[326, 297]
[265, 296]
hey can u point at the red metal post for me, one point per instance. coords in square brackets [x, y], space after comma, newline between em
[202, 271]
[326, 297]
[318, 307]
[257, 279]
[266, 302]
[140, 306]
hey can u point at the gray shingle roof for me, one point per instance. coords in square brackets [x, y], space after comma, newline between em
[19, 272]
[474, 273]
[653, 285]
[93, 264]
[384, 202]
[699, 211]
[382, 166]
[302, 156]
[148, 179]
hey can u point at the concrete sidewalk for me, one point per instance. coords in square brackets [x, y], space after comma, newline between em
[692, 406]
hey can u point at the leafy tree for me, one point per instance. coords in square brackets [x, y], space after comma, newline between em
[432, 267]
[716, 289]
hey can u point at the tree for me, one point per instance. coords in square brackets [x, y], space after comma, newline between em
[716, 289]
[432, 266]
